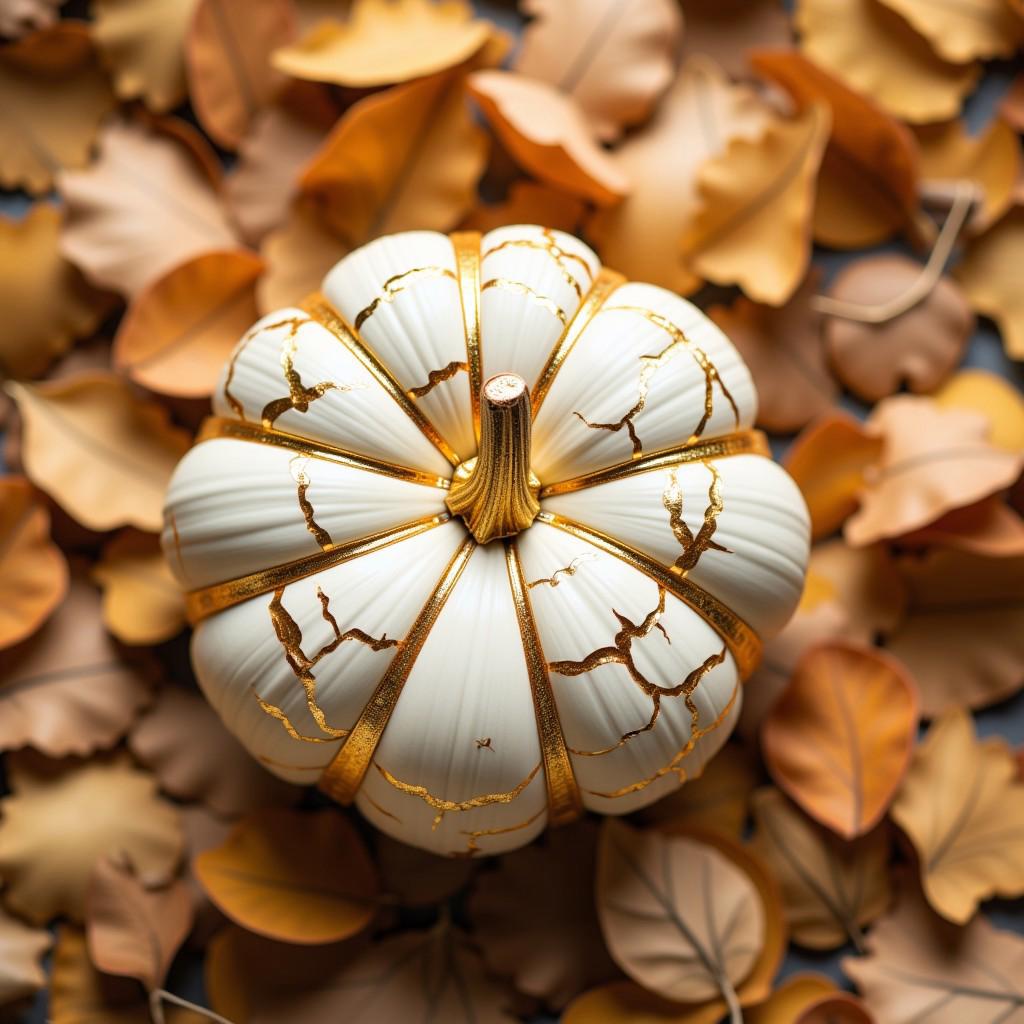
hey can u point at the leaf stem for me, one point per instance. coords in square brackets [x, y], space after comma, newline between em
[160, 996]
[732, 1000]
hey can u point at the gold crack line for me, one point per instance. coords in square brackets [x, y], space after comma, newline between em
[472, 846]
[328, 317]
[206, 601]
[395, 285]
[293, 323]
[567, 570]
[172, 522]
[271, 762]
[693, 546]
[743, 643]
[466, 245]
[275, 712]
[436, 377]
[564, 803]
[299, 397]
[297, 468]
[746, 442]
[344, 775]
[554, 250]
[381, 808]
[522, 288]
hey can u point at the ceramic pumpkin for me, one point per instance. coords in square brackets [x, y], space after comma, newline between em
[480, 536]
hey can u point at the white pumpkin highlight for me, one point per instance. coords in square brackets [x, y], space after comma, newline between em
[350, 630]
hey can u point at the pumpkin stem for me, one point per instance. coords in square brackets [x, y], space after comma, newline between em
[496, 493]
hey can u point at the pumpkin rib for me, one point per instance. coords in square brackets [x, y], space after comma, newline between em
[467, 271]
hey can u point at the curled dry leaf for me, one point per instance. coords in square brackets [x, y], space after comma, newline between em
[839, 739]
[874, 51]
[727, 30]
[97, 807]
[917, 350]
[962, 806]
[783, 349]
[386, 41]
[21, 951]
[614, 59]
[19, 17]
[528, 203]
[54, 97]
[991, 528]
[790, 999]
[983, 29]
[546, 132]
[33, 572]
[101, 453]
[180, 329]
[125, 229]
[986, 393]
[830, 888]
[292, 876]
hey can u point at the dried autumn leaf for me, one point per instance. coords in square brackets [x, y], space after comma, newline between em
[838, 1008]
[55, 96]
[528, 203]
[21, 951]
[19, 17]
[180, 329]
[917, 350]
[874, 51]
[990, 394]
[124, 228]
[626, 1002]
[830, 888]
[416, 878]
[991, 528]
[614, 59]
[227, 58]
[96, 807]
[727, 30]
[782, 347]
[755, 204]
[790, 999]
[1011, 109]
[386, 41]
[983, 29]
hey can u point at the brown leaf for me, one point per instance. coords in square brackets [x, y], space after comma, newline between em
[528, 203]
[917, 350]
[727, 30]
[180, 329]
[96, 807]
[986, 28]
[626, 1002]
[55, 96]
[416, 878]
[992, 395]
[874, 51]
[127, 227]
[840, 738]
[21, 949]
[33, 572]
[613, 59]
[68, 690]
[991, 528]
[227, 58]
[830, 888]
[839, 1008]
[19, 17]
[793, 996]
[1011, 109]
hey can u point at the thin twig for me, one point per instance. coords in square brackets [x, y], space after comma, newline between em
[160, 996]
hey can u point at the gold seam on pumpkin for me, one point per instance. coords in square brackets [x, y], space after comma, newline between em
[344, 775]
[522, 288]
[215, 427]
[395, 285]
[743, 643]
[199, 604]
[693, 546]
[554, 250]
[567, 570]
[292, 322]
[564, 803]
[320, 310]
[600, 291]
[299, 397]
[172, 522]
[382, 809]
[271, 762]
[747, 442]
[472, 846]
[436, 377]
[297, 467]
[467, 264]
[275, 712]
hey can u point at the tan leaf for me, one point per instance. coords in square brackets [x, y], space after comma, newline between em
[990, 394]
[55, 96]
[124, 228]
[21, 949]
[727, 30]
[68, 690]
[19, 17]
[755, 204]
[95, 807]
[626, 1002]
[991, 528]
[528, 203]
[917, 350]
[180, 329]
[227, 58]
[694, 121]
[783, 349]
[33, 572]
[547, 134]
[386, 41]
[874, 51]
[962, 33]
[830, 888]
[614, 59]
[292, 876]
[790, 999]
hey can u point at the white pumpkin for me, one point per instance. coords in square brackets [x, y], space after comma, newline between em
[465, 691]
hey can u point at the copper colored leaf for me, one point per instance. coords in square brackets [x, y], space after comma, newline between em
[180, 329]
[614, 59]
[626, 1002]
[917, 350]
[790, 999]
[840, 738]
[19, 17]
[991, 528]
[293, 876]
[962, 33]
[994, 396]
[727, 30]
[1011, 109]
[96, 807]
[21, 951]
[839, 1008]
[529, 203]
[33, 572]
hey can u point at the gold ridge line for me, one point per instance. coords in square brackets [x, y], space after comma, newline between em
[743, 643]
[747, 442]
[564, 801]
[199, 604]
[600, 291]
[319, 309]
[344, 775]
[216, 427]
[467, 269]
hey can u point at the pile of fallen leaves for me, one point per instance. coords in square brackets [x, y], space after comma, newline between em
[136, 834]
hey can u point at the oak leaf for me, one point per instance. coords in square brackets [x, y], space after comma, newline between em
[21, 949]
[727, 30]
[528, 203]
[983, 29]
[992, 395]
[19, 17]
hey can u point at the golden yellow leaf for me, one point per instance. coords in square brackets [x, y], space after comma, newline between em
[528, 203]
[98, 451]
[874, 51]
[21, 950]
[54, 97]
[626, 1002]
[386, 41]
[962, 806]
[987, 393]
[790, 999]
[755, 204]
[964, 32]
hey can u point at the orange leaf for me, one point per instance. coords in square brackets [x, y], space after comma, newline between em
[839, 1008]
[991, 528]
[795, 994]
[986, 28]
[992, 395]
[528, 203]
